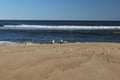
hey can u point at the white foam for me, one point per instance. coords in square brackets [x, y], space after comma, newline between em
[2, 43]
[45, 27]
[7, 43]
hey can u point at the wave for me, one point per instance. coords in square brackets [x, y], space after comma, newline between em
[7, 43]
[46, 27]
[15, 43]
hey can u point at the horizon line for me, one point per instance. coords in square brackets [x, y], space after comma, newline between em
[50, 20]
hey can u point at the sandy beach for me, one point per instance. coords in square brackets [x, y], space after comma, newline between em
[69, 61]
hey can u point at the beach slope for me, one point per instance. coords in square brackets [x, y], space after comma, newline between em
[70, 61]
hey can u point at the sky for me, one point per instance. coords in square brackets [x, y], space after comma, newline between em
[59, 9]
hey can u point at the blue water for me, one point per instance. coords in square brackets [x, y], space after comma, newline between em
[71, 31]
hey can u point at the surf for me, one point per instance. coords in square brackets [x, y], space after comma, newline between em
[63, 27]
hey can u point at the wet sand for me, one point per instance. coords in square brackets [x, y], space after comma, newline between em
[69, 61]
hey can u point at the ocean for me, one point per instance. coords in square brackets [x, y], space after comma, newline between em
[44, 31]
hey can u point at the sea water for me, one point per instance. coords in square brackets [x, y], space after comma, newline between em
[38, 31]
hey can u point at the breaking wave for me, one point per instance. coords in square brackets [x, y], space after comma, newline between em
[64, 27]
[3, 43]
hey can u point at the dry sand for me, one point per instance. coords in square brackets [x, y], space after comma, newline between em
[72, 61]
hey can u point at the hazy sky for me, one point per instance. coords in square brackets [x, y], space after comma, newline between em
[60, 9]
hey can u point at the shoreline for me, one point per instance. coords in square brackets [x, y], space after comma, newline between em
[8, 43]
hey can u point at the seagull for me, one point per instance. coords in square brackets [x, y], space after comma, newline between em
[61, 41]
[53, 41]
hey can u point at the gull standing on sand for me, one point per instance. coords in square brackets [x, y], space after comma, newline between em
[53, 41]
[61, 41]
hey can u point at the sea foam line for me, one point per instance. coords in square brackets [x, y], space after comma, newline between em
[65, 27]
[3, 43]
